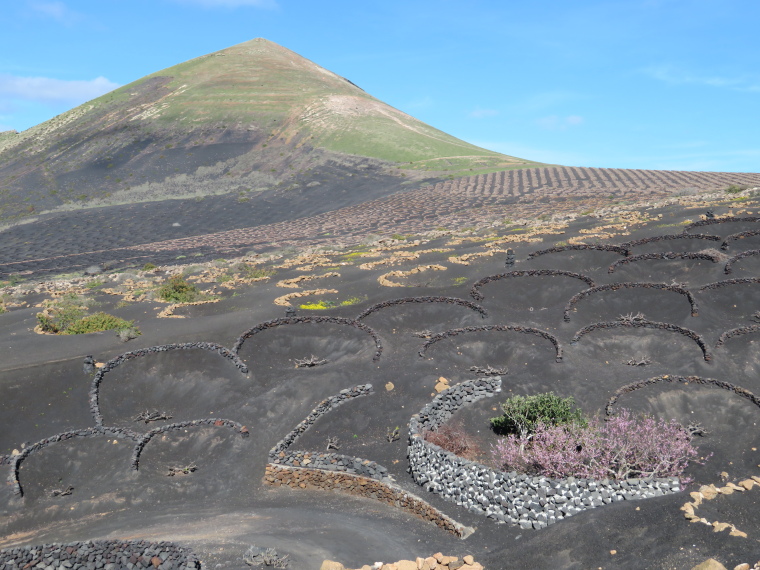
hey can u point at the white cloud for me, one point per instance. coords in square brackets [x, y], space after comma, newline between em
[555, 123]
[49, 90]
[230, 3]
[57, 11]
[479, 113]
[674, 76]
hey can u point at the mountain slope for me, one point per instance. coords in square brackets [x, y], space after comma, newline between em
[240, 120]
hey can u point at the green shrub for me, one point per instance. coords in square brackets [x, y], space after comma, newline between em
[735, 189]
[148, 267]
[62, 314]
[96, 323]
[522, 414]
[177, 290]
[68, 315]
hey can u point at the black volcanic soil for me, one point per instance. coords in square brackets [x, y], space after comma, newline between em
[223, 507]
[68, 241]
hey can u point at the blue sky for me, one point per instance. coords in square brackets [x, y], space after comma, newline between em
[653, 84]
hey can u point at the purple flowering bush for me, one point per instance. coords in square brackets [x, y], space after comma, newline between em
[622, 447]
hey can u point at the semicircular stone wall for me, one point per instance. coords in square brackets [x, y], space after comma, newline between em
[514, 498]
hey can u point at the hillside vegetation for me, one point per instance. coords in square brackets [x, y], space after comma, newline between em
[242, 119]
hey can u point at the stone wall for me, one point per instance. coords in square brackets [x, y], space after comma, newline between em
[728, 268]
[16, 460]
[647, 325]
[631, 285]
[726, 282]
[478, 296]
[724, 336]
[629, 244]
[105, 554]
[520, 329]
[739, 235]
[579, 247]
[686, 380]
[404, 300]
[318, 319]
[140, 440]
[217, 422]
[531, 502]
[353, 475]
[113, 363]
[664, 255]
[713, 221]
[385, 492]
[281, 454]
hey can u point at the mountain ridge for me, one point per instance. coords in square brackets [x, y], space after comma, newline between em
[245, 118]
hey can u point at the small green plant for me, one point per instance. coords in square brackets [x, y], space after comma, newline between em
[178, 290]
[522, 414]
[128, 333]
[148, 267]
[94, 284]
[561, 244]
[460, 280]
[735, 189]
[352, 301]
[317, 305]
[248, 271]
[398, 236]
[61, 314]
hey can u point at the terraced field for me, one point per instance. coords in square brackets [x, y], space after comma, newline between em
[456, 203]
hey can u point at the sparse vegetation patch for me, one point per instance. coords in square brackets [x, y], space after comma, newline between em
[69, 315]
[177, 290]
